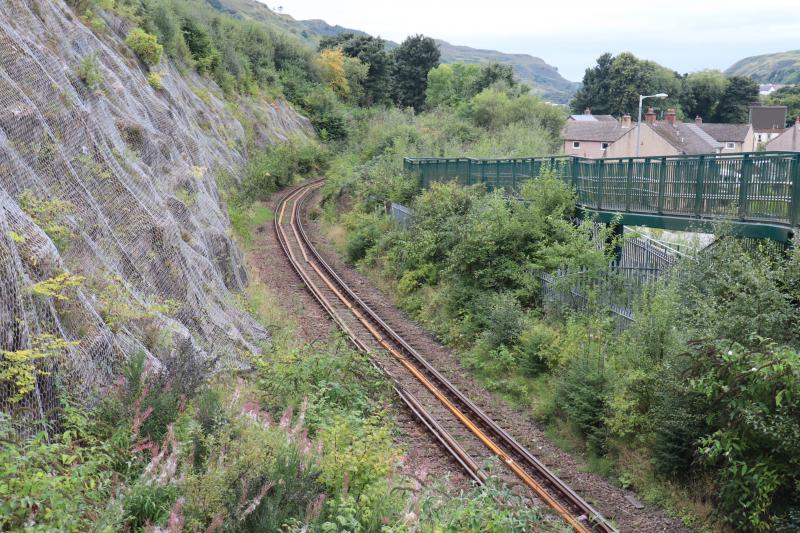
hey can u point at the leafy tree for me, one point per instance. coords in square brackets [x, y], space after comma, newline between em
[413, 59]
[790, 97]
[450, 84]
[370, 51]
[200, 43]
[494, 72]
[734, 104]
[331, 63]
[701, 93]
[614, 85]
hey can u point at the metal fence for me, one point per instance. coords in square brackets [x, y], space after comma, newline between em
[758, 187]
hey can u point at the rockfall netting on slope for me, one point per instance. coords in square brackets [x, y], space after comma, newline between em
[113, 236]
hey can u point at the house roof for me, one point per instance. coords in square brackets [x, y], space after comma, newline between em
[686, 137]
[599, 131]
[592, 118]
[768, 117]
[788, 141]
[726, 132]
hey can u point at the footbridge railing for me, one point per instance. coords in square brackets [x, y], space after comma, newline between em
[757, 194]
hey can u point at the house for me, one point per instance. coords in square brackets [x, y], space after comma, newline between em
[788, 141]
[590, 135]
[766, 89]
[768, 121]
[665, 137]
[735, 138]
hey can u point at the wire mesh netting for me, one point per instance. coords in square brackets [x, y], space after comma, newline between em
[113, 235]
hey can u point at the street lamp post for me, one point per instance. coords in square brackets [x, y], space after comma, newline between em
[660, 96]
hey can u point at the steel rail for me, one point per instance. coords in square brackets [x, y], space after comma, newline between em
[431, 424]
[580, 515]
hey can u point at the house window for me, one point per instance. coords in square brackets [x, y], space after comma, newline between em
[576, 145]
[604, 146]
[730, 146]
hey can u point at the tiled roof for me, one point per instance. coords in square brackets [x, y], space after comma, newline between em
[726, 132]
[768, 117]
[602, 131]
[686, 137]
[789, 140]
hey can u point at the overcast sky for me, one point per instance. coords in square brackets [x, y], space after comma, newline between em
[684, 35]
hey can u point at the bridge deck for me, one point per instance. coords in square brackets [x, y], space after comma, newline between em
[753, 194]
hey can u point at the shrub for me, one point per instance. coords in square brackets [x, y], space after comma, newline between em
[145, 45]
[155, 79]
[89, 72]
[278, 166]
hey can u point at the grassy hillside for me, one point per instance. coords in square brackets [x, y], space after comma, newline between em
[544, 78]
[781, 67]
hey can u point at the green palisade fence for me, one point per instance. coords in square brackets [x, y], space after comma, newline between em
[759, 192]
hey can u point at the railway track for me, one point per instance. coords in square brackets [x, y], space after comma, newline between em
[463, 429]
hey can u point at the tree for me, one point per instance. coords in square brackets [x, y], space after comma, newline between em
[701, 93]
[451, 84]
[790, 97]
[494, 72]
[734, 104]
[370, 51]
[413, 59]
[614, 85]
[330, 62]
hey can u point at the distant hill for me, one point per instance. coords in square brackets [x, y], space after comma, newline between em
[781, 67]
[544, 78]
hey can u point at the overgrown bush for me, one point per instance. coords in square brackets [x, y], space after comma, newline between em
[145, 45]
[279, 165]
[89, 72]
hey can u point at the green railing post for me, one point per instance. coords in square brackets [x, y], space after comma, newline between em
[513, 174]
[662, 185]
[600, 184]
[497, 175]
[483, 173]
[469, 171]
[572, 174]
[794, 211]
[646, 177]
[628, 185]
[744, 186]
[700, 185]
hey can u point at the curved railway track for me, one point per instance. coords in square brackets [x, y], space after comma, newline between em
[464, 430]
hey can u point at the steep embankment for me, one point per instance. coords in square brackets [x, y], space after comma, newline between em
[113, 233]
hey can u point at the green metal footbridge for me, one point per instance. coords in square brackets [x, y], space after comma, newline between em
[754, 195]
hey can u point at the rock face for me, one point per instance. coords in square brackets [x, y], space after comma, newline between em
[117, 186]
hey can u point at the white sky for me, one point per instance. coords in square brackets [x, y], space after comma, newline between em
[684, 35]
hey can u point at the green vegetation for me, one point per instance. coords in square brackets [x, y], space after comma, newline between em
[790, 97]
[145, 46]
[155, 80]
[614, 85]
[89, 72]
[694, 405]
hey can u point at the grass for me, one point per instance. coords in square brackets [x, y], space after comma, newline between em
[247, 219]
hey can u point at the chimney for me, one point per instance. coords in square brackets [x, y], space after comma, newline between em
[650, 116]
[587, 111]
[626, 120]
[698, 120]
[669, 116]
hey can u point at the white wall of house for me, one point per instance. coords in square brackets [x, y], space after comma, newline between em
[652, 144]
[591, 149]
